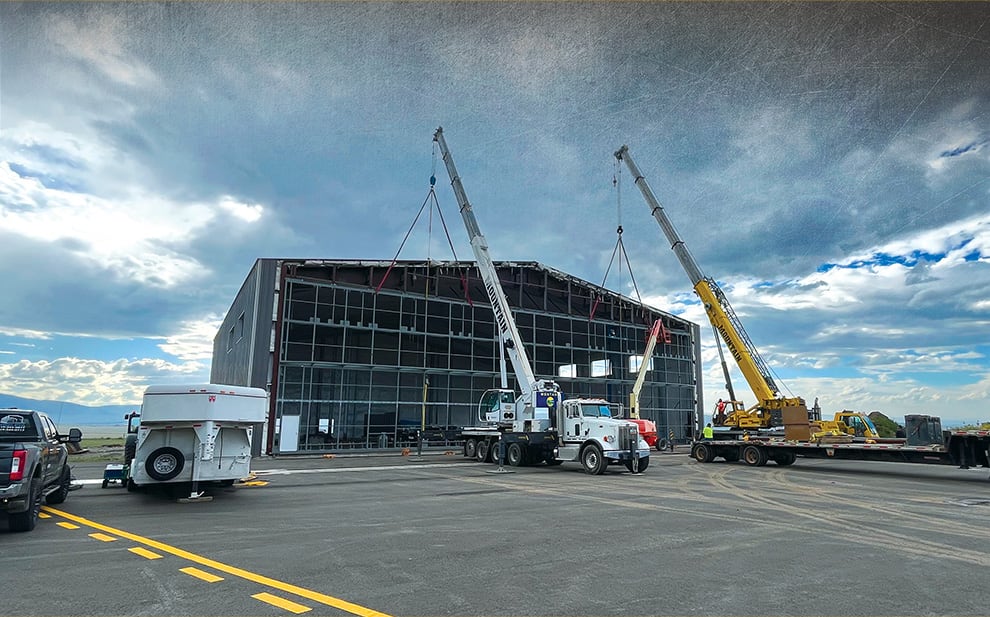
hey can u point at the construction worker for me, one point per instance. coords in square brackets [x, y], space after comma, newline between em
[720, 412]
[707, 432]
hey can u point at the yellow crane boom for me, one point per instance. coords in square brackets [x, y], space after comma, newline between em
[770, 403]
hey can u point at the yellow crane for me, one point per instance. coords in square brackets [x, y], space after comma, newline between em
[772, 408]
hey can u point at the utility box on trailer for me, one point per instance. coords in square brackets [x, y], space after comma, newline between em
[194, 433]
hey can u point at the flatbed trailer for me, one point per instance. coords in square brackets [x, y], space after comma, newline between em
[964, 449]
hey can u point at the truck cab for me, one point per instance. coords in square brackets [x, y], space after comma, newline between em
[588, 432]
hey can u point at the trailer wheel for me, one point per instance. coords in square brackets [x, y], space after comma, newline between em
[755, 456]
[516, 456]
[784, 458]
[592, 459]
[470, 448]
[702, 453]
[662, 445]
[481, 452]
[164, 464]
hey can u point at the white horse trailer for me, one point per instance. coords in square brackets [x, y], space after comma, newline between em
[194, 433]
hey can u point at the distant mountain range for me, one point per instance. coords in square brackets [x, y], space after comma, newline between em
[68, 415]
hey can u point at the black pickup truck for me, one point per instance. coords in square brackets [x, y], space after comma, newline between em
[34, 465]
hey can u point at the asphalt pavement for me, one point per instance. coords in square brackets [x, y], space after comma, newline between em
[440, 535]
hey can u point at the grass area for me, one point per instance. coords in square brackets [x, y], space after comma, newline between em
[100, 449]
[102, 442]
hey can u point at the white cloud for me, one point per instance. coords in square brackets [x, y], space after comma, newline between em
[194, 341]
[93, 382]
[101, 39]
[246, 212]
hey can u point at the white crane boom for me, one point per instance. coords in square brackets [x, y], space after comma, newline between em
[528, 383]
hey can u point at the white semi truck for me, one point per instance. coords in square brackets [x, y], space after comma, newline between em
[192, 434]
[539, 425]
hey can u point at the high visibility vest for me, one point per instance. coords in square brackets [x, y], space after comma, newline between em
[708, 432]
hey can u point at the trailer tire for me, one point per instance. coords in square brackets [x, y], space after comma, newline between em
[702, 453]
[754, 456]
[592, 459]
[516, 456]
[662, 445]
[470, 448]
[164, 464]
[784, 458]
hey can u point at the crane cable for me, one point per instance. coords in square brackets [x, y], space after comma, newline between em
[620, 248]
[431, 195]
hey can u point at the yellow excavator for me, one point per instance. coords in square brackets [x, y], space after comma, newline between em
[772, 408]
[846, 425]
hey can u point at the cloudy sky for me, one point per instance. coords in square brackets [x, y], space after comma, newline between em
[828, 164]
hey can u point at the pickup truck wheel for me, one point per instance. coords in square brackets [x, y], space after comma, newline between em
[64, 484]
[25, 521]
[470, 448]
[515, 456]
[164, 464]
[592, 460]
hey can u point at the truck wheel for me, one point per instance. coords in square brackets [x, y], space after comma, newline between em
[64, 481]
[662, 445]
[516, 457]
[493, 452]
[755, 456]
[784, 458]
[593, 460]
[643, 464]
[702, 453]
[470, 448]
[164, 464]
[25, 521]
[130, 448]
[481, 452]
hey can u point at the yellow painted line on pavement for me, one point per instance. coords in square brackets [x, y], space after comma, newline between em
[137, 550]
[67, 525]
[102, 537]
[309, 594]
[288, 605]
[44, 515]
[204, 576]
